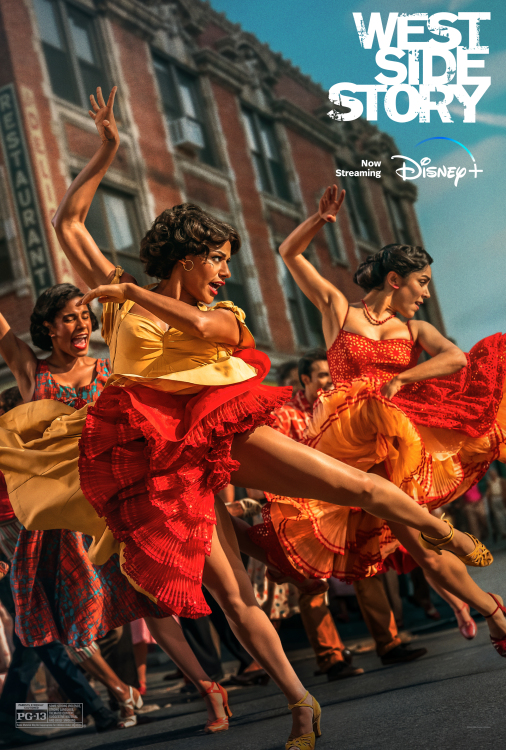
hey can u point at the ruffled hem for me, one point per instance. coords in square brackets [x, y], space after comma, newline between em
[356, 425]
[151, 463]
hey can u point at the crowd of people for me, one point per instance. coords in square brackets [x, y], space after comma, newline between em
[118, 504]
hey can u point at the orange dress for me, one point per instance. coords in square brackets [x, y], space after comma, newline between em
[435, 438]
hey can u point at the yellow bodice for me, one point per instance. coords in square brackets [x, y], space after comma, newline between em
[142, 352]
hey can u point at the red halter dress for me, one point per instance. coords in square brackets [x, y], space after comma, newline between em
[435, 438]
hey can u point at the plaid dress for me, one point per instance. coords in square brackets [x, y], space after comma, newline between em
[58, 593]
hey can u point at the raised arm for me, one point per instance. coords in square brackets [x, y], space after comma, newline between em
[19, 358]
[332, 303]
[77, 243]
[219, 325]
[445, 359]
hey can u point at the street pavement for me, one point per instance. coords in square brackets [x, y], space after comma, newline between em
[451, 699]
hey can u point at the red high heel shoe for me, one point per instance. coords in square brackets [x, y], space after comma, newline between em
[498, 643]
[218, 725]
[468, 629]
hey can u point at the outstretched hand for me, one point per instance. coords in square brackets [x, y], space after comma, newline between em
[103, 116]
[330, 203]
[106, 293]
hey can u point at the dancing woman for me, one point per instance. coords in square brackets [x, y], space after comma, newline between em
[58, 593]
[183, 413]
[432, 428]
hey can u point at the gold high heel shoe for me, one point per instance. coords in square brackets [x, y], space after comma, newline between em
[306, 741]
[480, 557]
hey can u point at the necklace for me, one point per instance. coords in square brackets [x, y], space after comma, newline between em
[372, 320]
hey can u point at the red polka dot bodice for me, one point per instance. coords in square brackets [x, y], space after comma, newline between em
[354, 356]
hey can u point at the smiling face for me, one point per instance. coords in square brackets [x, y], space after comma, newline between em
[412, 292]
[71, 329]
[202, 282]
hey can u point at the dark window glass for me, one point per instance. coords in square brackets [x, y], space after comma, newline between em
[6, 273]
[335, 249]
[235, 291]
[184, 108]
[305, 317]
[111, 223]
[362, 223]
[398, 219]
[71, 50]
[266, 155]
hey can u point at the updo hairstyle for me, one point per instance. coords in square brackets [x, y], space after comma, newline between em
[47, 308]
[403, 259]
[180, 231]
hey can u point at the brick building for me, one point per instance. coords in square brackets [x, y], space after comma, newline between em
[206, 114]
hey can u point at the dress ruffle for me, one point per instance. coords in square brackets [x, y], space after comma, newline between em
[151, 463]
[420, 446]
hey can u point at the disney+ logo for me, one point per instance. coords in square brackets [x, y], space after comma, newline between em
[412, 170]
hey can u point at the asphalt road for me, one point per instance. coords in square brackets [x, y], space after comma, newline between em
[451, 699]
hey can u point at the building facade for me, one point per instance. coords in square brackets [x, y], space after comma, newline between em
[206, 114]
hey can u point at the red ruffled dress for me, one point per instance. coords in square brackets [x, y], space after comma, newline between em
[153, 451]
[435, 438]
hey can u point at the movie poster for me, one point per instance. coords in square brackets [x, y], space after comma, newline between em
[167, 159]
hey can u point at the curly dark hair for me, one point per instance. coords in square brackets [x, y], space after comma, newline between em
[47, 308]
[9, 398]
[403, 259]
[180, 231]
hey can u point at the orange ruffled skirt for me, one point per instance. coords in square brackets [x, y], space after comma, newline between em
[432, 463]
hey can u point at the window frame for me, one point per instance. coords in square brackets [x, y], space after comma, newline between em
[112, 253]
[355, 216]
[255, 117]
[311, 337]
[401, 231]
[61, 8]
[199, 102]
[334, 241]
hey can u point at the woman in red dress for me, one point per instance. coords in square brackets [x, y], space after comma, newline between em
[183, 414]
[432, 428]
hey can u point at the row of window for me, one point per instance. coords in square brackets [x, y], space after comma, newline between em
[76, 68]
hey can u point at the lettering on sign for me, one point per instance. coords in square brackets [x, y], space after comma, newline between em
[43, 173]
[24, 194]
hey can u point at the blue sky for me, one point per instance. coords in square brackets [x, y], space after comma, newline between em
[462, 227]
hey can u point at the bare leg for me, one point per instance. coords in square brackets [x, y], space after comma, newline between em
[460, 611]
[140, 655]
[275, 463]
[228, 582]
[169, 636]
[98, 668]
[451, 574]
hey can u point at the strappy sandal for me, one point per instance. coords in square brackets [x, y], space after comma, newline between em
[480, 557]
[130, 721]
[221, 724]
[498, 643]
[306, 741]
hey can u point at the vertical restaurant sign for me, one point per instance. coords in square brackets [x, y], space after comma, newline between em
[24, 194]
[44, 178]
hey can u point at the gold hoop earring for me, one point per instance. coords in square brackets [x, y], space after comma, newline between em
[184, 262]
